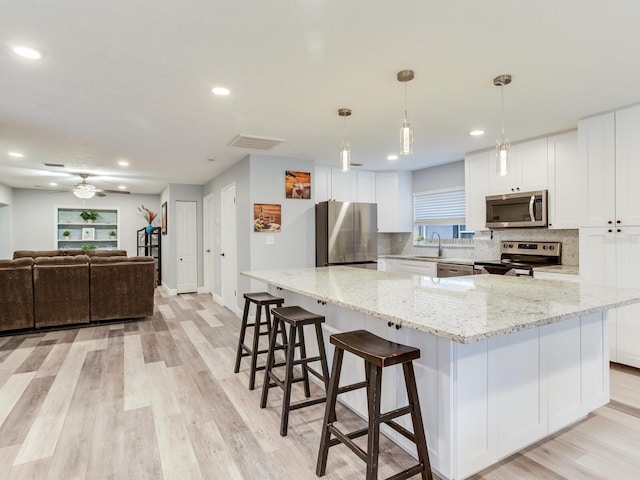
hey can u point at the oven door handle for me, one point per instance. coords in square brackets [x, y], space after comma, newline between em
[532, 201]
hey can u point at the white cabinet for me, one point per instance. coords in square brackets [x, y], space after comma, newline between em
[609, 150]
[609, 256]
[393, 196]
[476, 188]
[334, 184]
[366, 186]
[565, 190]
[410, 266]
[528, 170]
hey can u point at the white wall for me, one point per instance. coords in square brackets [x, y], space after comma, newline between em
[260, 179]
[6, 194]
[33, 216]
[6, 201]
[439, 177]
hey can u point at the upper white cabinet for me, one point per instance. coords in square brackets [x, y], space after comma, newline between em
[393, 196]
[565, 197]
[610, 152]
[334, 184]
[528, 169]
[366, 186]
[476, 180]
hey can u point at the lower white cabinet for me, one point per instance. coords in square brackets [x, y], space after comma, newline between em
[610, 256]
[484, 400]
[411, 266]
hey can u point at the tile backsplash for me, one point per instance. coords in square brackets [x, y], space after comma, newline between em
[485, 246]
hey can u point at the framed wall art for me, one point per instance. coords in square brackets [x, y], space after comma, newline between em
[267, 217]
[297, 184]
[164, 218]
[88, 233]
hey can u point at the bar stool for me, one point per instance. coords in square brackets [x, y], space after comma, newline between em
[377, 354]
[261, 300]
[296, 317]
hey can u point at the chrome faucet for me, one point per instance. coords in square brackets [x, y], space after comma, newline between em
[439, 243]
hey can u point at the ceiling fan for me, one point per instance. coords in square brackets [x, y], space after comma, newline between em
[87, 190]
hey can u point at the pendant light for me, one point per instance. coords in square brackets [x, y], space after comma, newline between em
[345, 149]
[406, 130]
[502, 146]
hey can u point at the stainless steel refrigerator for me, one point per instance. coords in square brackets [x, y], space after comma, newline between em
[347, 234]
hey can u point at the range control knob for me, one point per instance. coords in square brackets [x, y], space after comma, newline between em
[511, 245]
[551, 247]
[505, 245]
[544, 247]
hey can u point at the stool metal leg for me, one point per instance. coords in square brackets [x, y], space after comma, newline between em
[374, 391]
[254, 354]
[243, 329]
[416, 419]
[271, 353]
[329, 412]
[288, 381]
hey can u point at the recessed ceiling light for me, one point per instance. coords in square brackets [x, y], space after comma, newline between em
[27, 52]
[123, 163]
[53, 184]
[476, 133]
[16, 154]
[122, 187]
[220, 91]
[392, 157]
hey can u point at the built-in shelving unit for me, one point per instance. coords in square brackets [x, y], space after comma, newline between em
[101, 233]
[150, 245]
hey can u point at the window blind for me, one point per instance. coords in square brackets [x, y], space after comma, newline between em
[439, 208]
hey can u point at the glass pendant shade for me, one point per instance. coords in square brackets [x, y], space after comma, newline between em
[406, 138]
[345, 157]
[502, 158]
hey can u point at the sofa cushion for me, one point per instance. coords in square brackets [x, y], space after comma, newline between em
[16, 294]
[106, 253]
[61, 290]
[35, 253]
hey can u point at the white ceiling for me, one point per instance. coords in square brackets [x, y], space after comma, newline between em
[132, 80]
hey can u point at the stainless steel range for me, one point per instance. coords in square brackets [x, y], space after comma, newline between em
[518, 258]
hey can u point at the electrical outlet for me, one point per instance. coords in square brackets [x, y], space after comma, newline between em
[270, 240]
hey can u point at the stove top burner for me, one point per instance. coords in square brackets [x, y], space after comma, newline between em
[523, 256]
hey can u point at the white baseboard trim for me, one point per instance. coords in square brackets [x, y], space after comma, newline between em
[202, 290]
[170, 291]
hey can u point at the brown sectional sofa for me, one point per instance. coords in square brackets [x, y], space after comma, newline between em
[56, 288]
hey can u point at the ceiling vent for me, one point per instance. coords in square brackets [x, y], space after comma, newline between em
[251, 141]
[54, 165]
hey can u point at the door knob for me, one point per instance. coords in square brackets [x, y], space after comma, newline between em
[222, 254]
[208, 251]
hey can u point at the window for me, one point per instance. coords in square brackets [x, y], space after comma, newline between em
[441, 212]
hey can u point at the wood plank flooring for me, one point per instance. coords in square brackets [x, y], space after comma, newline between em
[157, 399]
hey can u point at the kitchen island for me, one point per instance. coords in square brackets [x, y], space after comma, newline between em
[505, 361]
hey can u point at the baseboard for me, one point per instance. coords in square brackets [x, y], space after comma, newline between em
[202, 290]
[170, 291]
[216, 298]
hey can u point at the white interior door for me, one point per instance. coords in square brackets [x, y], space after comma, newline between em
[207, 242]
[228, 248]
[186, 247]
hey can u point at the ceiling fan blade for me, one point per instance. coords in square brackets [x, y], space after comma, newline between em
[100, 194]
[116, 191]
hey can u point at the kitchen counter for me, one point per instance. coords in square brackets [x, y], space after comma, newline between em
[504, 361]
[463, 309]
[562, 269]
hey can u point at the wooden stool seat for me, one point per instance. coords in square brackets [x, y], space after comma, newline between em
[373, 349]
[297, 318]
[262, 300]
[377, 353]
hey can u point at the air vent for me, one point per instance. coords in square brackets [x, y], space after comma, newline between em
[251, 141]
[54, 165]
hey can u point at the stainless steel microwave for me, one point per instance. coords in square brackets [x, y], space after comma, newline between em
[522, 209]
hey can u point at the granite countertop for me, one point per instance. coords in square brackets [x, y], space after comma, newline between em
[564, 269]
[463, 309]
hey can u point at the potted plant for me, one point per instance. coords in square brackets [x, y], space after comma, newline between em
[112, 234]
[88, 247]
[66, 234]
[89, 217]
[420, 240]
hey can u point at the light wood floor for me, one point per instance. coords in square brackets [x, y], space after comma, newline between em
[158, 399]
